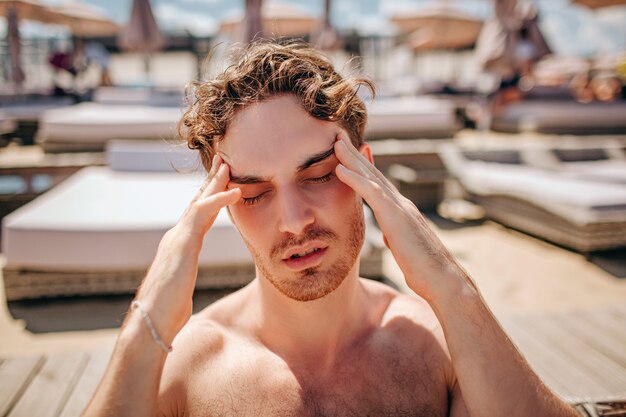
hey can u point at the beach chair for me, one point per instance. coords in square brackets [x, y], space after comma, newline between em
[89, 126]
[601, 164]
[98, 231]
[580, 214]
[561, 116]
[411, 118]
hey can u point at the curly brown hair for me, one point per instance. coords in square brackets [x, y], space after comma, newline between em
[263, 70]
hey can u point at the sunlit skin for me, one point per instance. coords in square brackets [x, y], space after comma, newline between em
[308, 337]
[297, 205]
[284, 163]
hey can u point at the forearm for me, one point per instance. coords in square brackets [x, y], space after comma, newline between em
[130, 385]
[494, 377]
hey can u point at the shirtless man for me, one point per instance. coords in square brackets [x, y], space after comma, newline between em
[281, 135]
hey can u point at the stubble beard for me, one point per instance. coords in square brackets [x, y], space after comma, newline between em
[314, 283]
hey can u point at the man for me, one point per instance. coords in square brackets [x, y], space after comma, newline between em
[281, 134]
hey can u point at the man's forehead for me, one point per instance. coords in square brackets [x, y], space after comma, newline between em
[264, 164]
[272, 135]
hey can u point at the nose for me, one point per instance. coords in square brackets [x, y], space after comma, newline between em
[295, 214]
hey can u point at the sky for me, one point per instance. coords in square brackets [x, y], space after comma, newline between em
[569, 29]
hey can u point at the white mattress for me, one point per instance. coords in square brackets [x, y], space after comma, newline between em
[603, 171]
[566, 116]
[579, 200]
[98, 123]
[105, 220]
[152, 156]
[410, 117]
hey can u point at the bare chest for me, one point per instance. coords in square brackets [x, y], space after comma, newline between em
[375, 386]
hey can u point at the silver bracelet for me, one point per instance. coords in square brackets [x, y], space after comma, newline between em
[137, 304]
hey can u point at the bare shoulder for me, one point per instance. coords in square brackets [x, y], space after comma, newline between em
[196, 351]
[402, 306]
[411, 323]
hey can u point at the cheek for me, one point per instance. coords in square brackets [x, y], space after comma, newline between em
[248, 221]
[334, 194]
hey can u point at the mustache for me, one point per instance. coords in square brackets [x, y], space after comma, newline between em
[311, 233]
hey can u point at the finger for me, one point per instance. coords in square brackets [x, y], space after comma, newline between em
[353, 160]
[356, 161]
[349, 159]
[217, 201]
[214, 166]
[362, 185]
[218, 182]
[205, 211]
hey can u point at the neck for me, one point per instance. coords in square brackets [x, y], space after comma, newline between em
[312, 332]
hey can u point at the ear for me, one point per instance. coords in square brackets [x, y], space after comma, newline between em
[366, 150]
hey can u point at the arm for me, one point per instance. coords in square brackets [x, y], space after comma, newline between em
[131, 382]
[492, 375]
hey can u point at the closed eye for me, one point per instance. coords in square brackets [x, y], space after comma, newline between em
[248, 201]
[321, 179]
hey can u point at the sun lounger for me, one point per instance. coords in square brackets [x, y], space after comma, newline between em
[561, 117]
[88, 126]
[98, 231]
[577, 213]
[415, 167]
[606, 164]
[411, 118]
[138, 96]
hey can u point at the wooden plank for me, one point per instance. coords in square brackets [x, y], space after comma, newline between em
[595, 365]
[48, 391]
[554, 367]
[15, 374]
[596, 337]
[87, 383]
[607, 320]
[539, 358]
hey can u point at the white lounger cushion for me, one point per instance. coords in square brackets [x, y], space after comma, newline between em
[580, 201]
[410, 117]
[561, 116]
[97, 123]
[602, 171]
[99, 219]
[152, 156]
[105, 220]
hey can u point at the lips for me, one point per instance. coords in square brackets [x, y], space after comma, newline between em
[306, 256]
[302, 251]
[303, 254]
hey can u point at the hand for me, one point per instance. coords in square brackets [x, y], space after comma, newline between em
[167, 290]
[428, 267]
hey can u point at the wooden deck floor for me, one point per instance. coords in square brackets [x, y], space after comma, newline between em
[580, 355]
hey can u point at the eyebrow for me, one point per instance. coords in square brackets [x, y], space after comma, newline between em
[312, 160]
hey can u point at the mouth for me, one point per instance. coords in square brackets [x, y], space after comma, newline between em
[305, 258]
[303, 254]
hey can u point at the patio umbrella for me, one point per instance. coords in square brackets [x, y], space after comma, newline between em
[326, 37]
[596, 4]
[13, 38]
[75, 16]
[253, 20]
[83, 20]
[141, 33]
[278, 20]
[438, 26]
[496, 43]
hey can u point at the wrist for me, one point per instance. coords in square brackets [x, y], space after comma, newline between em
[451, 286]
[135, 340]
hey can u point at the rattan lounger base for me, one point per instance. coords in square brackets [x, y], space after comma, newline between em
[529, 218]
[20, 284]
